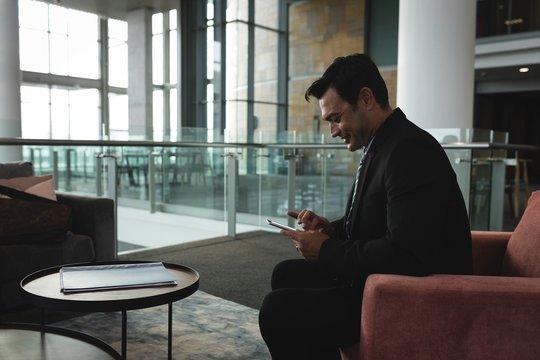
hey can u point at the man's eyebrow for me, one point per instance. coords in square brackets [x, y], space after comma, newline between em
[330, 116]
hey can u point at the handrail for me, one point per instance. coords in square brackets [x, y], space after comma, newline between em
[488, 145]
[150, 143]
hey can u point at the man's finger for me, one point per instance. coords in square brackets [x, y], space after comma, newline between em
[292, 214]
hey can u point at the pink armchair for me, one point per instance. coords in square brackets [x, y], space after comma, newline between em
[493, 314]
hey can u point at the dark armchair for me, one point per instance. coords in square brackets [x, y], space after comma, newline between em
[493, 314]
[90, 238]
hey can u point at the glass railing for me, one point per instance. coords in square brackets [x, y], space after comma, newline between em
[234, 186]
[238, 186]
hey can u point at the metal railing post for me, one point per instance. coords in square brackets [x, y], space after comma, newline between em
[55, 169]
[68, 169]
[112, 174]
[99, 175]
[152, 180]
[165, 165]
[324, 157]
[111, 177]
[291, 184]
[232, 191]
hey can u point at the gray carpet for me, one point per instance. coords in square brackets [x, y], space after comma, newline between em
[237, 269]
[205, 327]
[220, 321]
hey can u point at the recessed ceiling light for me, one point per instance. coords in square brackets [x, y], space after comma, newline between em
[523, 69]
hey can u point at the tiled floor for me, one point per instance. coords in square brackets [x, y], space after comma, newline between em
[139, 228]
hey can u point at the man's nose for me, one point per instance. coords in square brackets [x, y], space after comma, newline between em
[334, 129]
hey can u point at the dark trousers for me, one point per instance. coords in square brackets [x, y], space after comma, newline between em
[307, 315]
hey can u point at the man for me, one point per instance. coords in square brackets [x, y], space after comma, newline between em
[405, 215]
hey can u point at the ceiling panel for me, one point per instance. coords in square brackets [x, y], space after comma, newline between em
[116, 9]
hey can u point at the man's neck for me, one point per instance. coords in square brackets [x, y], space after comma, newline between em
[380, 117]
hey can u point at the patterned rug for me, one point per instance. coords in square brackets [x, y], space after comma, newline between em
[205, 327]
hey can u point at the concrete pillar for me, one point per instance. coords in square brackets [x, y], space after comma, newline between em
[435, 84]
[140, 73]
[10, 79]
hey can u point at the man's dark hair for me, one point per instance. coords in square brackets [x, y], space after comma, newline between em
[349, 74]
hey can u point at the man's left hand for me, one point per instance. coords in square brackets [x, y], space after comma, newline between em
[308, 243]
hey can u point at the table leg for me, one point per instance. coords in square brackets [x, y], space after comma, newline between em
[124, 335]
[42, 320]
[170, 332]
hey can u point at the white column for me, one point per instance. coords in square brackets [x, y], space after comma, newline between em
[435, 84]
[10, 79]
[140, 73]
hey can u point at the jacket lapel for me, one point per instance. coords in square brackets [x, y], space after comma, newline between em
[383, 133]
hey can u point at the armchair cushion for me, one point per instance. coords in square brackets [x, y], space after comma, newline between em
[450, 317]
[522, 257]
[16, 169]
[93, 216]
[488, 249]
[37, 185]
[70, 248]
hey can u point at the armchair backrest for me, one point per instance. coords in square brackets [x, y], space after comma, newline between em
[522, 257]
[10, 170]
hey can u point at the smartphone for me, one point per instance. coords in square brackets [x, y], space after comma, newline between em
[278, 225]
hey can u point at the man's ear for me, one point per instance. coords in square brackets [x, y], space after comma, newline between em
[366, 97]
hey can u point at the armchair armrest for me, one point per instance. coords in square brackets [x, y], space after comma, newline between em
[450, 317]
[93, 216]
[488, 249]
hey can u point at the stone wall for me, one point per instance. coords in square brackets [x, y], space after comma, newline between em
[319, 31]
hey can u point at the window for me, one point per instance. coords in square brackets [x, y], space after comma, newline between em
[35, 114]
[237, 83]
[59, 41]
[59, 113]
[118, 53]
[252, 68]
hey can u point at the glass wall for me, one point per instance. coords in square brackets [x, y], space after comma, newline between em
[70, 58]
[191, 182]
[57, 40]
[63, 44]
[254, 59]
[235, 74]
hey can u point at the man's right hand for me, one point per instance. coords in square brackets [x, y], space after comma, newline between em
[311, 221]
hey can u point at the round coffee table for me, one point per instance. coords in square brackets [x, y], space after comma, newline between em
[42, 289]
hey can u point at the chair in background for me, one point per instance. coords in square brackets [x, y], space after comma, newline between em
[517, 183]
[91, 237]
[493, 314]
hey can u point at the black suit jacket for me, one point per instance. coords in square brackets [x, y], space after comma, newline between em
[410, 219]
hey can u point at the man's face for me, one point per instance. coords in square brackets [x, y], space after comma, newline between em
[346, 121]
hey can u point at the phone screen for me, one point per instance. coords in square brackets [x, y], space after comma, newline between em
[278, 225]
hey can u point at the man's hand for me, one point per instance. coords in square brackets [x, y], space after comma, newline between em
[317, 230]
[311, 221]
[308, 243]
